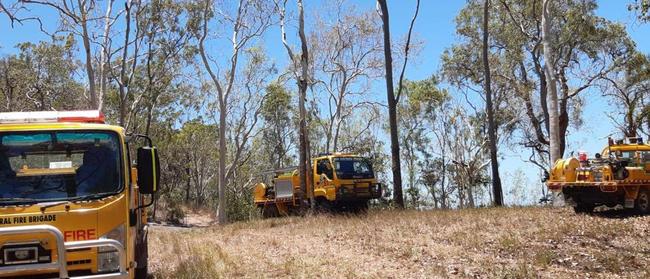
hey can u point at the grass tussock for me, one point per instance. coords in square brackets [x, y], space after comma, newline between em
[481, 243]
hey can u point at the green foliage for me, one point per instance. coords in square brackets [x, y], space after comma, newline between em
[175, 214]
[420, 104]
[41, 77]
[587, 47]
[278, 132]
[641, 8]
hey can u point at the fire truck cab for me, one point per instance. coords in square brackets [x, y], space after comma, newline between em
[72, 205]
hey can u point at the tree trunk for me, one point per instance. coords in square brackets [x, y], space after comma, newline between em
[470, 197]
[123, 83]
[104, 56]
[496, 179]
[94, 101]
[223, 151]
[392, 109]
[188, 185]
[554, 133]
[302, 87]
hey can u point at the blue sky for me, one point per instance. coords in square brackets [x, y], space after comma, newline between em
[436, 28]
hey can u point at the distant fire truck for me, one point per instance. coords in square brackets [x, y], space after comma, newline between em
[339, 182]
[619, 175]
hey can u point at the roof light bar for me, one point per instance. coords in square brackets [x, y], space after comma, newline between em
[83, 116]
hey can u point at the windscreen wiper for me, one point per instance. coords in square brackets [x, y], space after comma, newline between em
[15, 201]
[75, 199]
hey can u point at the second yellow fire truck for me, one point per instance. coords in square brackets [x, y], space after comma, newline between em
[339, 182]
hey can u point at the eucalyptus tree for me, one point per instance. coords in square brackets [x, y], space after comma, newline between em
[41, 77]
[642, 8]
[161, 82]
[489, 108]
[469, 154]
[78, 17]
[198, 163]
[278, 133]
[586, 48]
[245, 23]
[436, 160]
[549, 72]
[418, 109]
[393, 99]
[346, 51]
[300, 70]
[629, 91]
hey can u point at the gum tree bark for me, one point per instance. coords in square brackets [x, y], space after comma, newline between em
[554, 123]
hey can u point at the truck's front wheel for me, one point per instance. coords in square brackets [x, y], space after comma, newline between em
[583, 208]
[324, 206]
[642, 204]
[142, 269]
[141, 273]
[361, 207]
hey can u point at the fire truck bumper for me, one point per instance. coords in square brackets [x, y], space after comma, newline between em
[60, 265]
[357, 192]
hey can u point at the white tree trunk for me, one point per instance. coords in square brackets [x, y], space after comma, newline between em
[94, 103]
[221, 208]
[103, 73]
[554, 123]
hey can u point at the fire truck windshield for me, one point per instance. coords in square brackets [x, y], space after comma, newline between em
[353, 168]
[52, 166]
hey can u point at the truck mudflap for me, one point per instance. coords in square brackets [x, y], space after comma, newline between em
[61, 263]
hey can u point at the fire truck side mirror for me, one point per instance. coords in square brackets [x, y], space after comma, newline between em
[148, 170]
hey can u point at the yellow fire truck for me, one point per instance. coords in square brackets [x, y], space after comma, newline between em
[339, 182]
[71, 203]
[619, 175]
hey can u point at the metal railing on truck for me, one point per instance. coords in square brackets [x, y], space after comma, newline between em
[61, 263]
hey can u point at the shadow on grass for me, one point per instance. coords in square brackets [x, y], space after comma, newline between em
[616, 213]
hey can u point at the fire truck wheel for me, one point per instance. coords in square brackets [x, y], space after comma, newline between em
[141, 273]
[142, 270]
[583, 208]
[642, 203]
[324, 206]
[269, 211]
[361, 207]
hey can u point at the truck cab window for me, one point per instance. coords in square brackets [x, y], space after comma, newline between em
[353, 168]
[324, 167]
[52, 165]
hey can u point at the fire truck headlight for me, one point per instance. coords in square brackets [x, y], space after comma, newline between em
[108, 259]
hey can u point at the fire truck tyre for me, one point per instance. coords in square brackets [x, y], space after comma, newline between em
[361, 207]
[583, 208]
[642, 204]
[141, 271]
[324, 206]
[269, 211]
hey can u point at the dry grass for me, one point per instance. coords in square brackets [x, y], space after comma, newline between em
[482, 243]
